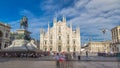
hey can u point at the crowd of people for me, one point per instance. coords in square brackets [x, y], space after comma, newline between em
[34, 55]
[63, 59]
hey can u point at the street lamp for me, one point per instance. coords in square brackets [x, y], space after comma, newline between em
[104, 31]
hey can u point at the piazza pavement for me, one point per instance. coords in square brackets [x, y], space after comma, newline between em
[49, 62]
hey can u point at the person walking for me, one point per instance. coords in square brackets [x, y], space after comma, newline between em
[86, 53]
[62, 60]
[79, 57]
[57, 57]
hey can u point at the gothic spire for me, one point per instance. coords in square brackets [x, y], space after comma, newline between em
[48, 26]
[55, 19]
[64, 19]
[71, 25]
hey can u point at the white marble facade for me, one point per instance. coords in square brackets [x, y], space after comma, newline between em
[60, 37]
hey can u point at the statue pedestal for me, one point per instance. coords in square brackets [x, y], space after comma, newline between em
[23, 34]
[21, 45]
[22, 42]
[23, 31]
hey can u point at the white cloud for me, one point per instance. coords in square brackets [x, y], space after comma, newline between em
[80, 3]
[90, 15]
[69, 12]
[93, 15]
[48, 5]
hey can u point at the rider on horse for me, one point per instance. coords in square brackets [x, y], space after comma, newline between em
[24, 23]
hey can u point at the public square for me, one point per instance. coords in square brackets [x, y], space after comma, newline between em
[48, 62]
[60, 34]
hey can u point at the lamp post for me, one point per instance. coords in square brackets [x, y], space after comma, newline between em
[104, 31]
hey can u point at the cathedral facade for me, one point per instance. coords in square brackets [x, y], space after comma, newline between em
[60, 37]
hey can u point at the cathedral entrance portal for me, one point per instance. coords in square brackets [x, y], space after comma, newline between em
[50, 49]
[59, 48]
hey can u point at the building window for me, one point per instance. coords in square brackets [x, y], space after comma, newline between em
[6, 35]
[51, 37]
[59, 30]
[74, 49]
[59, 37]
[117, 49]
[73, 41]
[68, 42]
[67, 36]
[50, 42]
[5, 46]
[1, 34]
[45, 42]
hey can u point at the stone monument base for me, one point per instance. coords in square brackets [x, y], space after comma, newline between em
[21, 45]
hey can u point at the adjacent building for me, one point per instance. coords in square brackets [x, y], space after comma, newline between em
[60, 37]
[95, 47]
[116, 39]
[4, 35]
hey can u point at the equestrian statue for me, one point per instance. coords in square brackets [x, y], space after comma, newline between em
[24, 23]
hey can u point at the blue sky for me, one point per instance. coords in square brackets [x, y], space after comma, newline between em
[90, 15]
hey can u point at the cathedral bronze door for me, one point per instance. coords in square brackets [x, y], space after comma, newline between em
[50, 48]
[59, 48]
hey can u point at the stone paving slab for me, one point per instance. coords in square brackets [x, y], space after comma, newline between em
[52, 64]
[49, 58]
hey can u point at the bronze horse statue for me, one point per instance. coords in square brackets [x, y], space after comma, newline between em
[24, 23]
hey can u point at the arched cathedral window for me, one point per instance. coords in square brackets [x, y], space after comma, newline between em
[59, 37]
[68, 36]
[51, 37]
[73, 41]
[59, 29]
[45, 42]
[74, 48]
[50, 42]
[68, 42]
